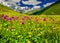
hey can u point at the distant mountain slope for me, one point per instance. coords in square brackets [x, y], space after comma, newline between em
[54, 10]
[7, 10]
[51, 10]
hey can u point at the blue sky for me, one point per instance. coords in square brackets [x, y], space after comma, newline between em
[43, 2]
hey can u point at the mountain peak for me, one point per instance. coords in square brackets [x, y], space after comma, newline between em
[27, 5]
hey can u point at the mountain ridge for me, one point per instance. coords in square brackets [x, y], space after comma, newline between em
[7, 10]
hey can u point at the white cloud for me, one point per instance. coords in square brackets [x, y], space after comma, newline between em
[36, 7]
[15, 0]
[45, 5]
[31, 2]
[1, 1]
[10, 0]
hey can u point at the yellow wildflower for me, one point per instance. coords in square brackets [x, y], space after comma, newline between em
[29, 23]
[32, 22]
[29, 35]
[35, 28]
[29, 32]
[28, 41]
[42, 33]
[0, 26]
[41, 29]
[16, 33]
[56, 28]
[39, 34]
[45, 24]
[7, 29]
[38, 28]
[49, 31]
[18, 36]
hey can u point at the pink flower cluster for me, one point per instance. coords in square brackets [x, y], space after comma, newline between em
[26, 17]
[22, 19]
[6, 17]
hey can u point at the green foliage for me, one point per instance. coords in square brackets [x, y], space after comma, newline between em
[54, 10]
[7, 10]
[51, 10]
[30, 29]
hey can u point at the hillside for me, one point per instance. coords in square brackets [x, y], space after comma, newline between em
[7, 10]
[51, 10]
[54, 10]
[24, 28]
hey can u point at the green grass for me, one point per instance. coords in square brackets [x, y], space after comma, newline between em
[8, 11]
[17, 28]
[31, 12]
[30, 29]
[53, 10]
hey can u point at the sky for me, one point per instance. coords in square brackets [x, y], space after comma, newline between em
[31, 3]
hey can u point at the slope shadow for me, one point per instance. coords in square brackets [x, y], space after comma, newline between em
[44, 9]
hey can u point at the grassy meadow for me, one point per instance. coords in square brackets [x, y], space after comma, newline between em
[23, 28]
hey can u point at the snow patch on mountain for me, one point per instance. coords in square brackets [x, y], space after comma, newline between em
[26, 5]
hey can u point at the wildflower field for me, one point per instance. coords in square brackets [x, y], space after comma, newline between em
[29, 29]
[25, 28]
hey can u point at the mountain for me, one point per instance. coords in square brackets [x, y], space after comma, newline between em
[27, 5]
[8, 11]
[53, 9]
